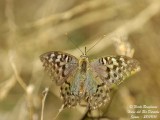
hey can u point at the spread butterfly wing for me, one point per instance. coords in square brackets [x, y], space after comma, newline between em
[59, 65]
[114, 69]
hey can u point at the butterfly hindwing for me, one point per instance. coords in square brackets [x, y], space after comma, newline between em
[99, 98]
[59, 65]
[114, 69]
[69, 99]
[93, 91]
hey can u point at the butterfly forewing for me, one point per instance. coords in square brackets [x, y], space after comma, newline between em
[59, 65]
[114, 69]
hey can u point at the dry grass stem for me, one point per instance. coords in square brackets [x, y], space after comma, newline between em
[18, 78]
[53, 19]
[123, 47]
[30, 105]
[10, 15]
[28, 89]
[45, 92]
[71, 25]
[59, 111]
[6, 87]
[127, 28]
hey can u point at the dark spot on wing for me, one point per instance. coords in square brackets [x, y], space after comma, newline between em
[53, 59]
[114, 67]
[61, 88]
[63, 75]
[101, 91]
[61, 59]
[119, 71]
[112, 81]
[63, 67]
[102, 61]
[53, 67]
[108, 69]
[108, 77]
[65, 56]
[68, 59]
[115, 75]
[62, 94]
[58, 64]
[57, 71]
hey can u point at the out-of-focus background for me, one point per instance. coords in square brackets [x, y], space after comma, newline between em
[29, 28]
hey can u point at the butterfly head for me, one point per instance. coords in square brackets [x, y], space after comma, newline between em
[84, 54]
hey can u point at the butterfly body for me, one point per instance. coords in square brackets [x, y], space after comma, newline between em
[85, 80]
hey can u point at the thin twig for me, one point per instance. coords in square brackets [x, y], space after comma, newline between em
[30, 105]
[10, 15]
[45, 92]
[130, 26]
[28, 89]
[59, 111]
[68, 26]
[87, 5]
[18, 78]
[6, 87]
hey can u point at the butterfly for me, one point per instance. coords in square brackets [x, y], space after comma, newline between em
[83, 80]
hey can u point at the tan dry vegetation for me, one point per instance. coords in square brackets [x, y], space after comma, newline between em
[30, 28]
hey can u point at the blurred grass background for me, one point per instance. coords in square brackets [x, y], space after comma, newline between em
[30, 28]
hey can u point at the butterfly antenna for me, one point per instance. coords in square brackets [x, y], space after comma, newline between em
[95, 44]
[69, 38]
